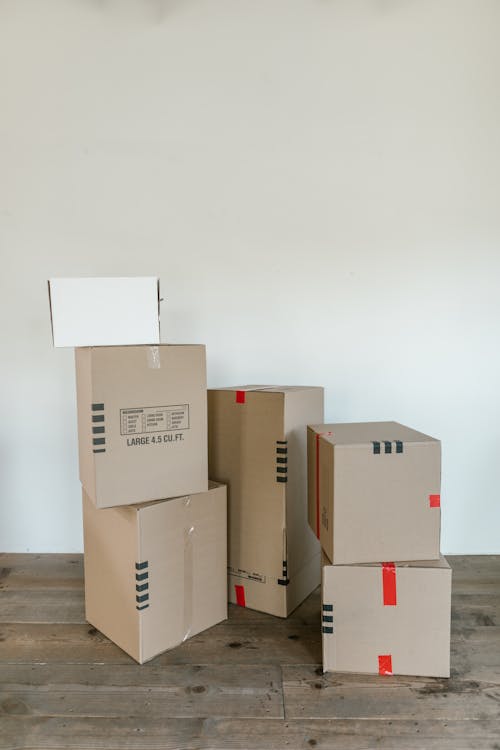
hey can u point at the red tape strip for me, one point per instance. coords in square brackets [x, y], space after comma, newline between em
[435, 501]
[318, 435]
[389, 584]
[240, 397]
[385, 664]
[240, 595]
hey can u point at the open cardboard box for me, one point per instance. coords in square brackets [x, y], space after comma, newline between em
[257, 446]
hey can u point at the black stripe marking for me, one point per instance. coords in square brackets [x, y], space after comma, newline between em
[327, 607]
[98, 441]
[282, 442]
[97, 430]
[283, 451]
[97, 407]
[281, 460]
[283, 581]
[99, 450]
[281, 479]
[281, 469]
[141, 576]
[142, 587]
[142, 565]
[144, 606]
[327, 618]
[143, 598]
[327, 629]
[97, 417]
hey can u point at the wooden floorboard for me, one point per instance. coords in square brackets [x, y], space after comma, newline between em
[252, 682]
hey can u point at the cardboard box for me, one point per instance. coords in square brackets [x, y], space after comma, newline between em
[142, 422]
[387, 618]
[155, 574]
[257, 446]
[104, 311]
[374, 492]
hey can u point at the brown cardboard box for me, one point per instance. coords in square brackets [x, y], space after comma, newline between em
[378, 495]
[257, 445]
[155, 574]
[142, 422]
[387, 618]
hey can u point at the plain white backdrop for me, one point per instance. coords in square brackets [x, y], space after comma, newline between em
[316, 182]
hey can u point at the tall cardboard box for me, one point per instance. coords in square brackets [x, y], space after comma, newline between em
[155, 574]
[389, 618]
[374, 491]
[257, 446]
[142, 422]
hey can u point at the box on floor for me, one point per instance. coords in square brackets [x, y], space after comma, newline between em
[257, 446]
[388, 618]
[142, 422]
[156, 574]
[374, 491]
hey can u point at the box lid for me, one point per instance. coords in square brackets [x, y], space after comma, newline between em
[269, 388]
[363, 433]
[104, 311]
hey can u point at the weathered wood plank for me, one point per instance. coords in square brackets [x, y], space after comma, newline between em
[311, 695]
[231, 643]
[42, 606]
[169, 691]
[40, 571]
[27, 733]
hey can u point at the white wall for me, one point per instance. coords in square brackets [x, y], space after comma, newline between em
[315, 181]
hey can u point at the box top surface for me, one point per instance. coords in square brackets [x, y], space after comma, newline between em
[442, 563]
[142, 506]
[363, 433]
[104, 311]
[269, 388]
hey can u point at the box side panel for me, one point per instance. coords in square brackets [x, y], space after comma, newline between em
[383, 505]
[422, 618]
[409, 634]
[311, 479]
[110, 543]
[156, 422]
[301, 408]
[328, 634]
[327, 517]
[184, 543]
[83, 370]
[248, 452]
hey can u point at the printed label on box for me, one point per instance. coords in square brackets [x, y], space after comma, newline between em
[245, 574]
[147, 419]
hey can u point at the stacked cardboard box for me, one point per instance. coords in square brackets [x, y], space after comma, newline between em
[154, 528]
[257, 446]
[374, 504]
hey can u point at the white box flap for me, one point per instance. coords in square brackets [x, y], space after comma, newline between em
[104, 311]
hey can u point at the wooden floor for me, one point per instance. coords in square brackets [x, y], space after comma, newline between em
[251, 682]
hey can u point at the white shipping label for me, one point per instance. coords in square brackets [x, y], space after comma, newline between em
[147, 419]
